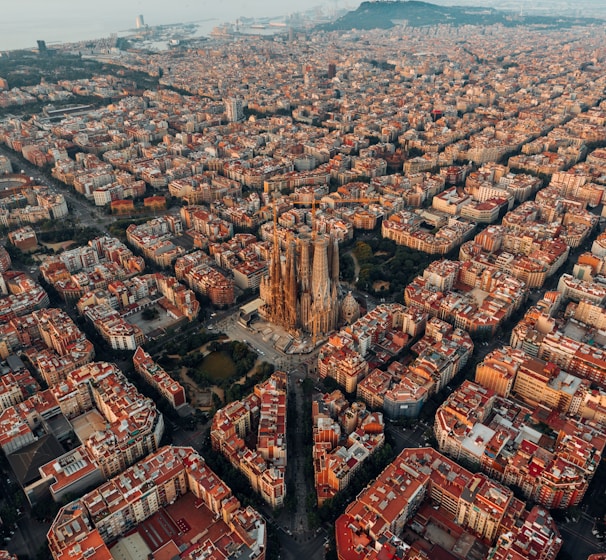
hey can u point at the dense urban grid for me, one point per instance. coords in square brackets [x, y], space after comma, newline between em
[393, 240]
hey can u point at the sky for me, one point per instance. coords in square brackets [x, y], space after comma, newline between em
[22, 22]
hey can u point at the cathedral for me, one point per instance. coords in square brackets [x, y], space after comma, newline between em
[301, 292]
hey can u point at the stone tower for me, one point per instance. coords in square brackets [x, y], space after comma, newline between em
[301, 293]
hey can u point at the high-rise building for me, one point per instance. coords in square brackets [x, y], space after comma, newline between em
[301, 289]
[233, 109]
[139, 22]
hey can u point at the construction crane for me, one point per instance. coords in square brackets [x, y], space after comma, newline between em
[313, 204]
[283, 309]
[364, 200]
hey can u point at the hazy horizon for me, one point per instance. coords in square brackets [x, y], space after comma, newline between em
[24, 22]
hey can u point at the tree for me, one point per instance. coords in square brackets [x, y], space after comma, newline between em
[363, 252]
[217, 402]
[150, 313]
[346, 267]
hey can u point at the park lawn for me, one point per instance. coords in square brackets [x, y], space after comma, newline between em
[217, 366]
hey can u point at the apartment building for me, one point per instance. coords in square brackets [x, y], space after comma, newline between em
[264, 465]
[498, 435]
[91, 525]
[477, 504]
[155, 375]
[344, 437]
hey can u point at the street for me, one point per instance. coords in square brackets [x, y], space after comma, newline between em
[85, 212]
[295, 549]
[30, 536]
[406, 437]
[194, 439]
[578, 540]
[296, 460]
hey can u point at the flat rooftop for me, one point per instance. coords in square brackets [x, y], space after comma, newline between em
[131, 547]
[185, 522]
[87, 424]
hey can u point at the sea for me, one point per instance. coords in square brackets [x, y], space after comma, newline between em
[24, 22]
[27, 37]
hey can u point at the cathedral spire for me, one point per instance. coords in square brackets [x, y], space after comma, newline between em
[300, 291]
[334, 276]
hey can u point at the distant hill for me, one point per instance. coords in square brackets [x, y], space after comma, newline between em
[386, 14]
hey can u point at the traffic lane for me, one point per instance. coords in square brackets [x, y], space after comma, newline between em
[578, 539]
[406, 437]
[78, 207]
[295, 547]
[193, 439]
[29, 538]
